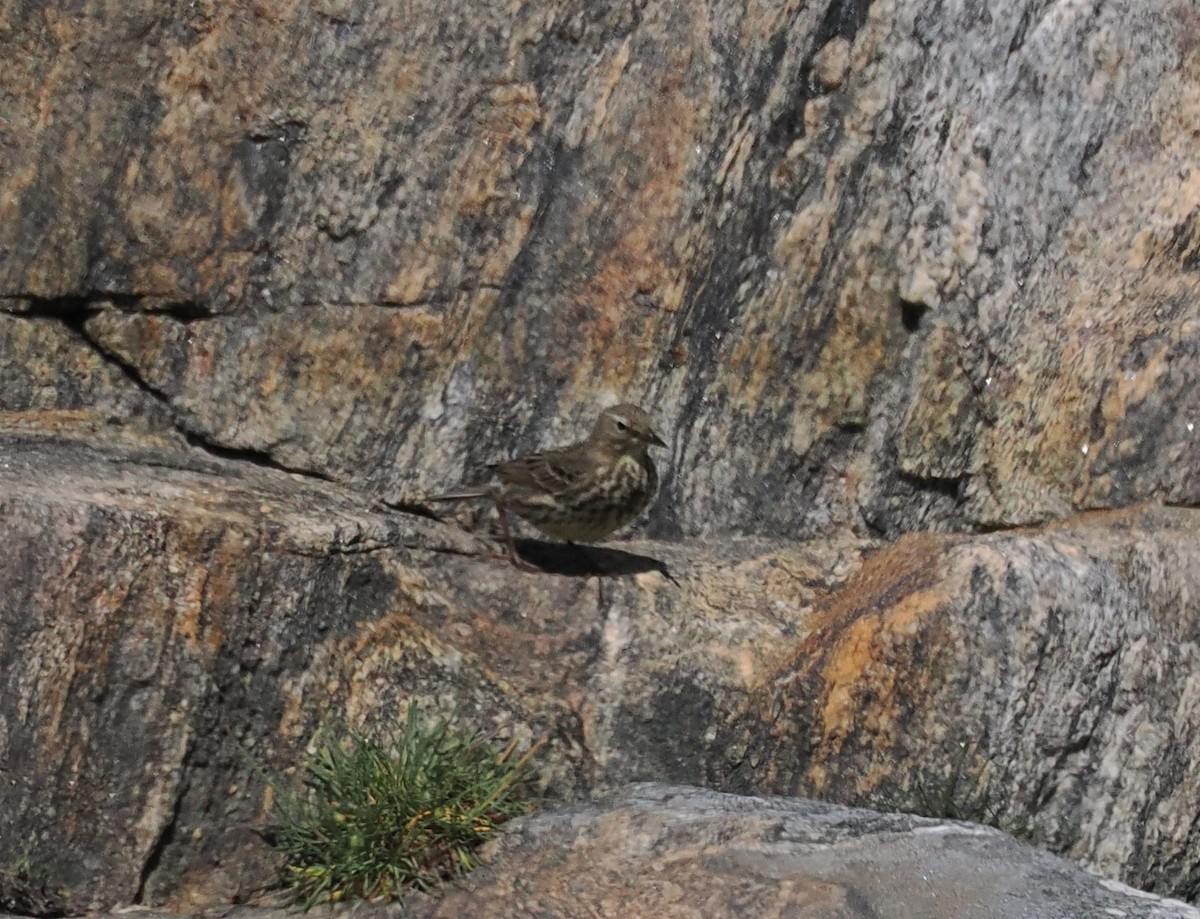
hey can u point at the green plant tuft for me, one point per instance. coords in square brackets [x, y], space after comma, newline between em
[374, 816]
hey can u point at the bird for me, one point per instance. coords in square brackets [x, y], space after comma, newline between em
[579, 493]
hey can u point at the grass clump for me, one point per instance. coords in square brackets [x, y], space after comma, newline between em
[374, 816]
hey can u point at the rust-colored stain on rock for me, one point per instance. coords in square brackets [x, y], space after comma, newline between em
[846, 670]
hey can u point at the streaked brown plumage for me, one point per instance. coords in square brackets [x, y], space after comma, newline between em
[580, 493]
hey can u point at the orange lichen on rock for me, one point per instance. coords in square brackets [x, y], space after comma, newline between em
[848, 661]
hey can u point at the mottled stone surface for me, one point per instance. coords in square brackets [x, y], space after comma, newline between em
[683, 853]
[653, 851]
[170, 623]
[890, 266]
[1041, 680]
[897, 278]
[179, 618]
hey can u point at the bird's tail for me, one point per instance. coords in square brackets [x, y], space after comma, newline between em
[465, 494]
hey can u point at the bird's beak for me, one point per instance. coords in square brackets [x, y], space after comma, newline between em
[654, 440]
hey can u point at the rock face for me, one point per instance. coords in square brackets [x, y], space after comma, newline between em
[677, 852]
[683, 853]
[890, 265]
[900, 278]
[1042, 681]
[188, 621]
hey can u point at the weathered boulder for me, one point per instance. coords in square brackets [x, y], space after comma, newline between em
[172, 627]
[677, 852]
[1041, 680]
[173, 624]
[685, 853]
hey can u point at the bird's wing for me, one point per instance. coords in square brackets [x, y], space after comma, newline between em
[550, 471]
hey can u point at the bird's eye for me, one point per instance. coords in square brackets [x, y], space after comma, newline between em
[622, 426]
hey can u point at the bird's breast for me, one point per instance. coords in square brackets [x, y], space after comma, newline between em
[628, 477]
[605, 501]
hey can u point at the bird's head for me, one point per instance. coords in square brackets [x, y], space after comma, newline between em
[627, 429]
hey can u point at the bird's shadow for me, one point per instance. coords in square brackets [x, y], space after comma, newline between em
[573, 560]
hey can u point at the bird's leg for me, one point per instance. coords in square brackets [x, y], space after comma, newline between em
[517, 561]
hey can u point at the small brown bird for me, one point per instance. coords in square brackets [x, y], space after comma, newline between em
[579, 493]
